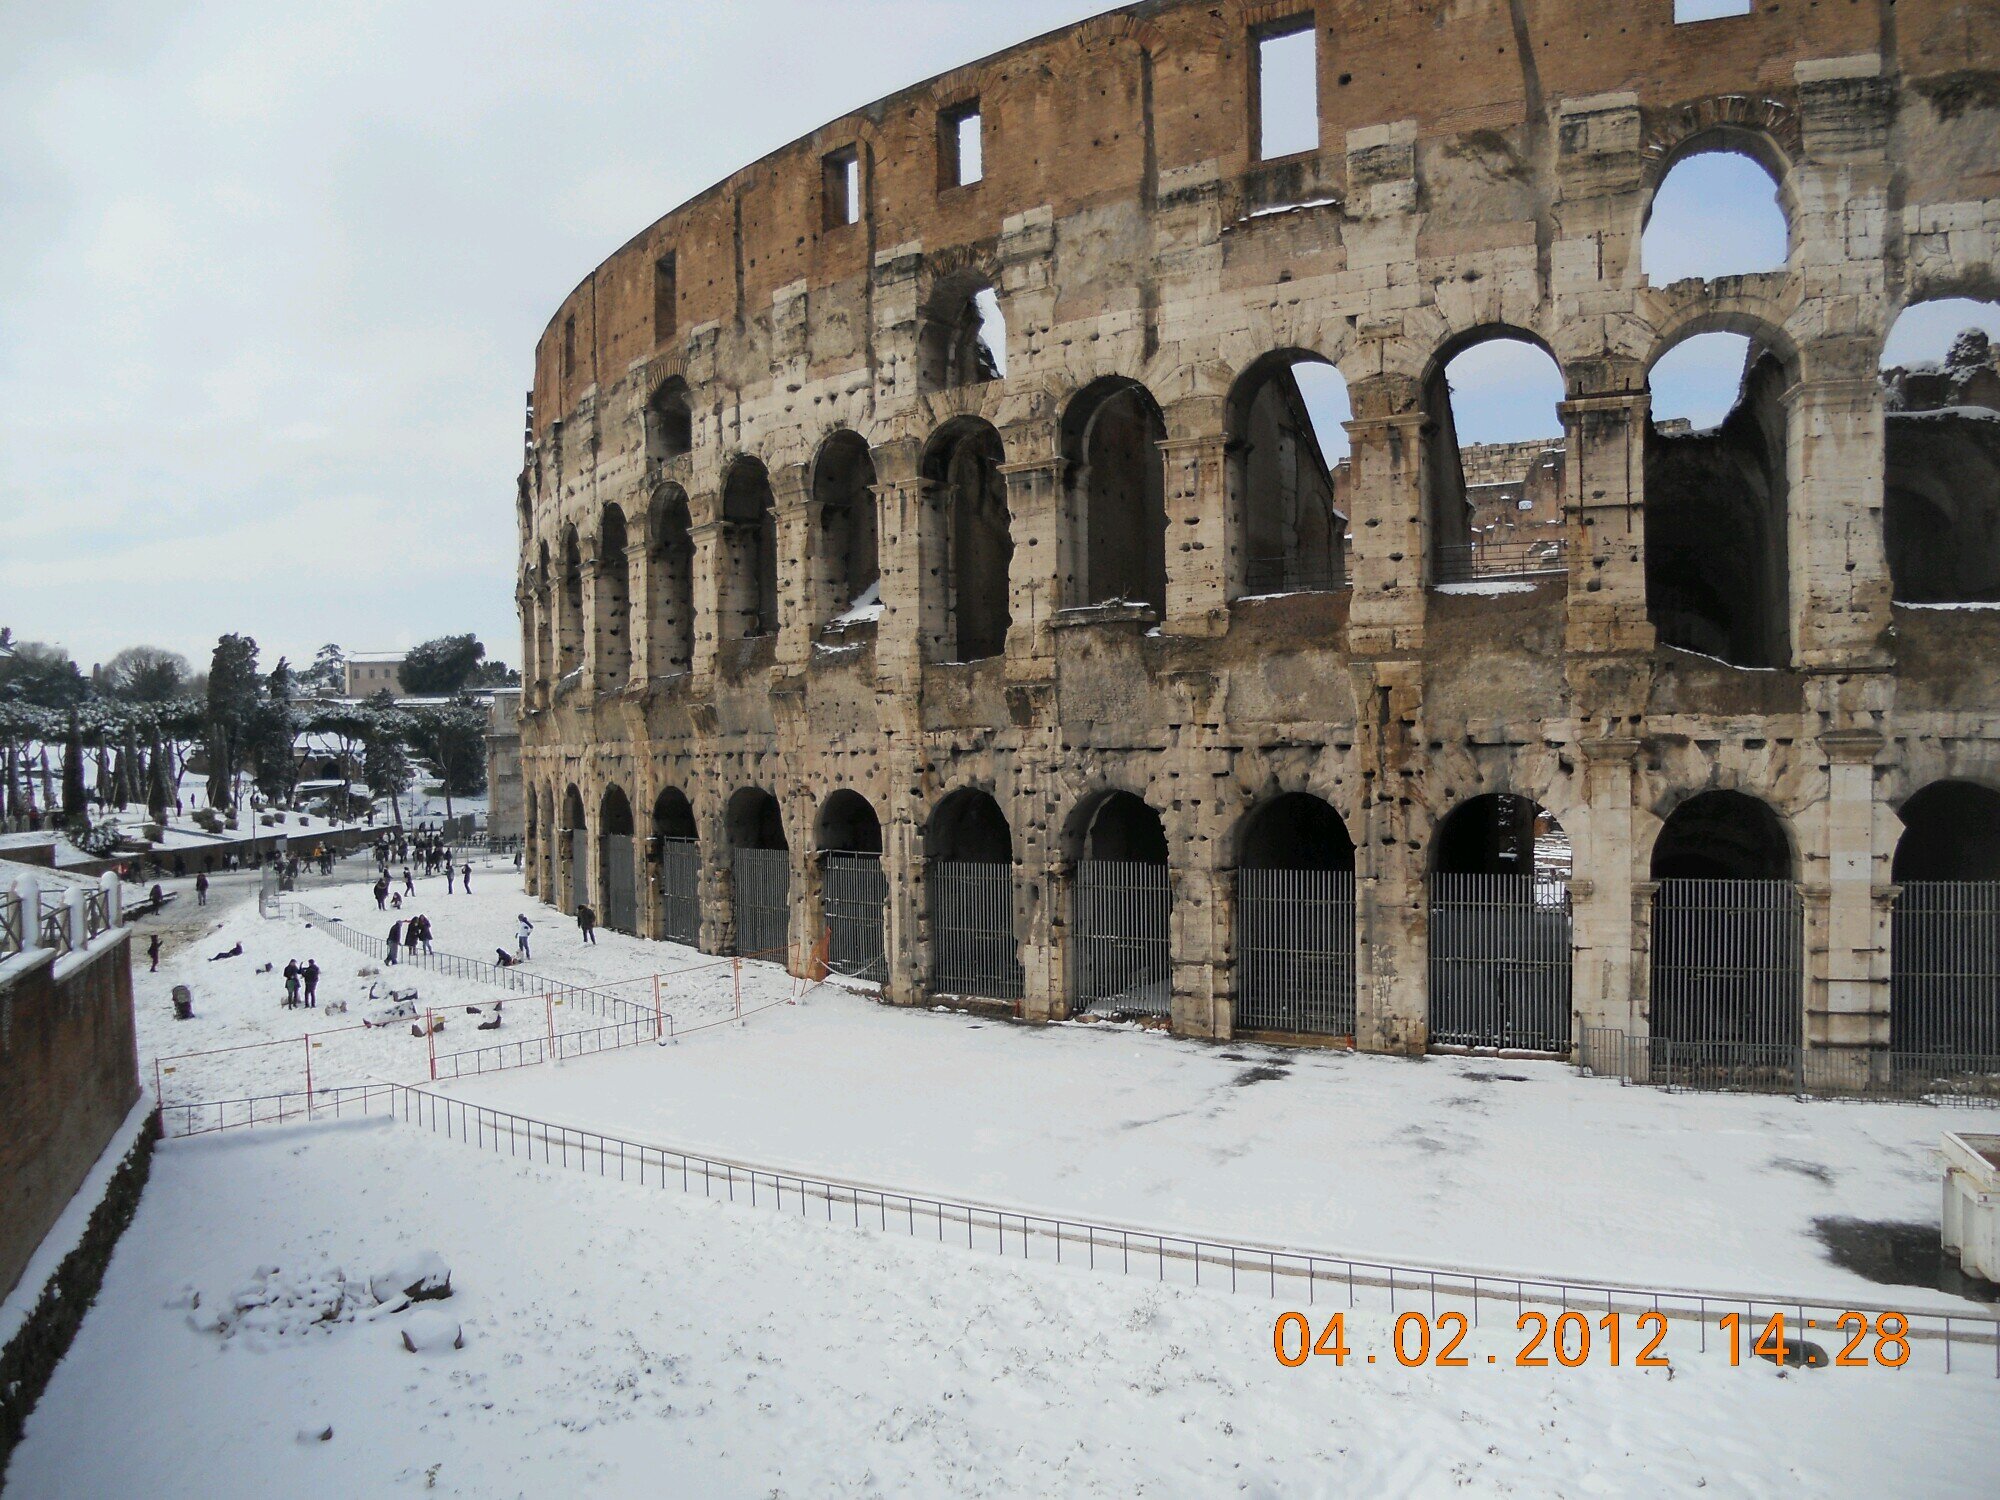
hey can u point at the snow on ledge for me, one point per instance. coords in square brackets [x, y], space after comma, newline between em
[1970, 604]
[1487, 589]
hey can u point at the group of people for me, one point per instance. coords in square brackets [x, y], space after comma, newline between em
[387, 897]
[413, 934]
[301, 977]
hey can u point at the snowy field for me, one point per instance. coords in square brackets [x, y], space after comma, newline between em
[620, 1342]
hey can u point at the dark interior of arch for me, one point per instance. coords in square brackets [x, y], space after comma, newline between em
[569, 631]
[613, 623]
[848, 825]
[966, 459]
[1494, 834]
[754, 821]
[950, 351]
[1951, 831]
[1297, 832]
[753, 547]
[1125, 828]
[671, 622]
[1119, 490]
[1941, 482]
[615, 816]
[1717, 580]
[1284, 487]
[673, 816]
[969, 828]
[1722, 836]
[844, 490]
[669, 422]
[572, 808]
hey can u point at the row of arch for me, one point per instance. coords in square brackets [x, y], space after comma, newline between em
[1726, 950]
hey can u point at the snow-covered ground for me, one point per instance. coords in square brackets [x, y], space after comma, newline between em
[627, 1342]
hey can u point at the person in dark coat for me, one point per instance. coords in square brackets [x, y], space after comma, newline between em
[586, 921]
[310, 974]
[153, 953]
[291, 984]
[395, 943]
[382, 894]
[450, 876]
[201, 889]
[413, 933]
[465, 878]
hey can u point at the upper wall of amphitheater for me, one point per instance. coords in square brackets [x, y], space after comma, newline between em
[1480, 163]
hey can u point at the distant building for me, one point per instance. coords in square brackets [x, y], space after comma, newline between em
[503, 766]
[372, 672]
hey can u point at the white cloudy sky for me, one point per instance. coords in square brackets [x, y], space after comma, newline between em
[271, 276]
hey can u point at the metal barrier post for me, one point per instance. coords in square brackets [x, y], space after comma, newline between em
[430, 1041]
[736, 981]
[659, 1026]
[549, 1009]
[309, 1071]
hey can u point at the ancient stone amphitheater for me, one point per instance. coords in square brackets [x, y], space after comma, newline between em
[1065, 674]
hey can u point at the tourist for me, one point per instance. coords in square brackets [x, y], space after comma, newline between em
[382, 894]
[153, 951]
[414, 933]
[201, 889]
[586, 921]
[523, 930]
[236, 952]
[465, 878]
[395, 943]
[449, 876]
[310, 974]
[409, 882]
[291, 984]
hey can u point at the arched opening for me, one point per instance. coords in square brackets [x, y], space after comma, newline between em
[1944, 996]
[750, 552]
[575, 852]
[965, 456]
[854, 892]
[613, 622]
[1121, 909]
[1288, 474]
[544, 598]
[569, 607]
[551, 855]
[846, 569]
[1115, 481]
[1728, 936]
[618, 859]
[670, 585]
[961, 336]
[669, 422]
[1717, 212]
[677, 841]
[1500, 927]
[1941, 475]
[969, 868]
[1295, 928]
[1493, 474]
[1717, 544]
[760, 873]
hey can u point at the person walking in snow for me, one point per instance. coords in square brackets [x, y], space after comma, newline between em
[423, 930]
[409, 882]
[382, 894]
[395, 943]
[153, 953]
[449, 876]
[523, 930]
[201, 889]
[414, 933]
[465, 878]
[291, 984]
[310, 974]
[586, 921]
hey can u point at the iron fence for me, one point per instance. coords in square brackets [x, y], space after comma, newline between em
[680, 891]
[13, 934]
[1469, 562]
[853, 895]
[762, 899]
[1291, 573]
[1500, 962]
[1727, 963]
[1295, 951]
[53, 921]
[974, 950]
[1944, 990]
[1940, 1340]
[621, 890]
[1966, 1079]
[579, 868]
[1120, 938]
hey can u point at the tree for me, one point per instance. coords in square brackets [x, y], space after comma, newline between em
[327, 676]
[440, 668]
[385, 766]
[274, 735]
[44, 675]
[452, 736]
[145, 674]
[232, 707]
[76, 812]
[493, 674]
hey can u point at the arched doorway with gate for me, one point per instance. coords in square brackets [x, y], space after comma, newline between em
[1944, 989]
[969, 864]
[575, 851]
[854, 893]
[677, 852]
[760, 874]
[1121, 909]
[618, 861]
[1295, 921]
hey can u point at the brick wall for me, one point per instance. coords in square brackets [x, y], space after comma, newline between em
[69, 1075]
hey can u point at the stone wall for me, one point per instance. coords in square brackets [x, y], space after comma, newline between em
[1484, 167]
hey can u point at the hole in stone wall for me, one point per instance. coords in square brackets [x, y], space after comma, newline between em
[669, 421]
[1501, 833]
[1495, 470]
[969, 828]
[848, 825]
[673, 816]
[1287, 89]
[1296, 831]
[1288, 475]
[614, 620]
[1722, 836]
[1951, 831]
[670, 607]
[1116, 483]
[961, 336]
[965, 456]
[845, 548]
[1123, 827]
[753, 820]
[751, 548]
[1941, 476]
[569, 605]
[1715, 214]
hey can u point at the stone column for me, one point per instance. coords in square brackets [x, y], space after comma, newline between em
[547, 662]
[1201, 532]
[802, 605]
[1852, 1010]
[1035, 579]
[1389, 519]
[1601, 891]
[710, 558]
[908, 593]
[1838, 565]
[532, 666]
[1604, 497]
[591, 649]
[1392, 958]
[639, 605]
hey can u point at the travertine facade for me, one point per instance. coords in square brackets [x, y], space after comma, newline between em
[1484, 166]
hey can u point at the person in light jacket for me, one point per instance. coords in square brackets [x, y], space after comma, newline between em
[523, 930]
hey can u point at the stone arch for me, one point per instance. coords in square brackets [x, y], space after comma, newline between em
[569, 605]
[961, 326]
[965, 457]
[675, 848]
[1114, 481]
[972, 898]
[754, 820]
[611, 622]
[1286, 492]
[1121, 902]
[1295, 919]
[669, 583]
[618, 855]
[669, 421]
[847, 824]
[844, 555]
[1113, 824]
[574, 852]
[1951, 831]
[1941, 465]
[1945, 932]
[1665, 214]
[969, 826]
[1722, 834]
[749, 551]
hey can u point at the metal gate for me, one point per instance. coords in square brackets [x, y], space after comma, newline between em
[680, 891]
[974, 950]
[853, 894]
[621, 884]
[1500, 962]
[1728, 969]
[763, 901]
[1295, 951]
[1120, 947]
[1944, 990]
[579, 867]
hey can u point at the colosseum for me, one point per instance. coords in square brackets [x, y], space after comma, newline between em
[1067, 673]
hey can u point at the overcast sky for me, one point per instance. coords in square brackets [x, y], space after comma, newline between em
[271, 277]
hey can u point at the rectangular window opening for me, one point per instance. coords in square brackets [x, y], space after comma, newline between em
[569, 347]
[1287, 90]
[961, 146]
[666, 298]
[841, 187]
[1708, 10]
